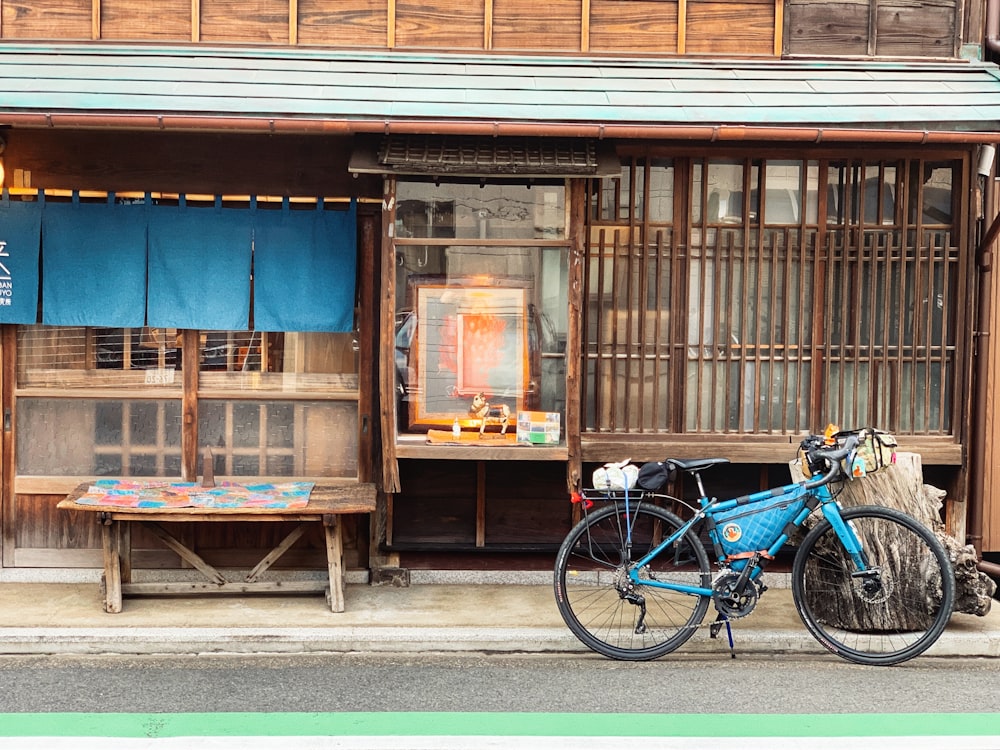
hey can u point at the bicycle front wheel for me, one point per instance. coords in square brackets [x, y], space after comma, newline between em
[603, 607]
[892, 611]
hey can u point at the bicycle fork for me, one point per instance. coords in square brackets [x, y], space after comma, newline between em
[871, 578]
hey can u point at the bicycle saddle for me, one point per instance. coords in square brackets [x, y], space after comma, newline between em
[696, 464]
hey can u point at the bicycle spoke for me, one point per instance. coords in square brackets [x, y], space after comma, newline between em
[890, 613]
[604, 608]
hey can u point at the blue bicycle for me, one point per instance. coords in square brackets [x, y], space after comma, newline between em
[633, 580]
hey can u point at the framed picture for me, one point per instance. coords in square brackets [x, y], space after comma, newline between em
[468, 339]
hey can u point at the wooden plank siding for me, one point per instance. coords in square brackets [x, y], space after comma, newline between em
[920, 28]
[724, 27]
[47, 19]
[244, 21]
[648, 27]
[753, 28]
[160, 21]
[517, 26]
[444, 24]
[362, 21]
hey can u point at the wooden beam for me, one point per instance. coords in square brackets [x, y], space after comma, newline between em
[195, 20]
[293, 22]
[779, 27]
[682, 13]
[390, 25]
[8, 375]
[387, 369]
[585, 26]
[574, 335]
[95, 19]
[190, 344]
[488, 24]
[481, 504]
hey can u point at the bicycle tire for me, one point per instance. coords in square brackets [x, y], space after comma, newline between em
[860, 621]
[591, 573]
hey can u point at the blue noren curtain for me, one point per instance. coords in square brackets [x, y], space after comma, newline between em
[20, 232]
[304, 269]
[93, 264]
[199, 268]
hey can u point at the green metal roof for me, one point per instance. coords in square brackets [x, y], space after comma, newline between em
[45, 82]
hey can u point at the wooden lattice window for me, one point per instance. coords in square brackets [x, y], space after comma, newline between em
[802, 292]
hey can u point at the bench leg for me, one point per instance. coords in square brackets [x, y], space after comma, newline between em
[111, 538]
[335, 562]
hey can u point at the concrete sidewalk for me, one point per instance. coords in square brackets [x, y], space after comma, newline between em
[67, 618]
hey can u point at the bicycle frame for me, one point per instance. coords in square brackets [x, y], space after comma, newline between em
[816, 496]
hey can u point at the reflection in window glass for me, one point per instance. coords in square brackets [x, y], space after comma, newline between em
[470, 211]
[78, 357]
[257, 360]
[725, 192]
[661, 190]
[936, 192]
[783, 193]
[812, 193]
[856, 191]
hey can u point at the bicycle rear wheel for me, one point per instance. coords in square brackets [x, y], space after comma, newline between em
[598, 601]
[892, 614]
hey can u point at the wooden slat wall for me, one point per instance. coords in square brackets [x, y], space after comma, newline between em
[725, 27]
[329, 24]
[47, 19]
[648, 27]
[928, 28]
[741, 27]
[238, 21]
[160, 21]
[444, 24]
[517, 26]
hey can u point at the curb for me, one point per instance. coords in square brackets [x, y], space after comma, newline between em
[149, 641]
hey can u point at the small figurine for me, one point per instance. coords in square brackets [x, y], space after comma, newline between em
[487, 414]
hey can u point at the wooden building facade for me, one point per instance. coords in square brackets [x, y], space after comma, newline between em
[685, 227]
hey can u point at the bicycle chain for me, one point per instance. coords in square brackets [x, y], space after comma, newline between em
[705, 623]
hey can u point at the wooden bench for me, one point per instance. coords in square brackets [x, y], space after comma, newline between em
[326, 504]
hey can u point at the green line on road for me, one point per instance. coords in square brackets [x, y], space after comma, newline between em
[494, 724]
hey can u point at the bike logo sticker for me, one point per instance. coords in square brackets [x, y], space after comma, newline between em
[732, 532]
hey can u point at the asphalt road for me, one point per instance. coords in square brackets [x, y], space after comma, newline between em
[469, 683]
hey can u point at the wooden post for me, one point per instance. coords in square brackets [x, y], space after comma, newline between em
[112, 567]
[335, 562]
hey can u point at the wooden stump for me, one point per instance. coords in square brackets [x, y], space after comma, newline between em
[901, 486]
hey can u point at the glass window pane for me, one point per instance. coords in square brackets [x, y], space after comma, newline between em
[725, 192]
[128, 437]
[302, 438]
[936, 192]
[471, 211]
[661, 190]
[783, 193]
[288, 362]
[86, 357]
[489, 319]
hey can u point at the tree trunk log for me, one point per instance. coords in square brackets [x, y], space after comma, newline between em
[901, 486]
